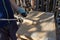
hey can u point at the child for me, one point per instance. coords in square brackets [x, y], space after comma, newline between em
[8, 28]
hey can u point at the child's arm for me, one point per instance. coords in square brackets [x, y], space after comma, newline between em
[18, 9]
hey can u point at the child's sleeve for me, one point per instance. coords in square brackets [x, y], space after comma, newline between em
[22, 11]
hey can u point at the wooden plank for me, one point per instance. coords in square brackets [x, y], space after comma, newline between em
[42, 5]
[54, 5]
[47, 5]
[37, 4]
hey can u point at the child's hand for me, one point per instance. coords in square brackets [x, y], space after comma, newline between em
[24, 14]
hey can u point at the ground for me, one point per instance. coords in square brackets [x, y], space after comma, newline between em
[38, 26]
